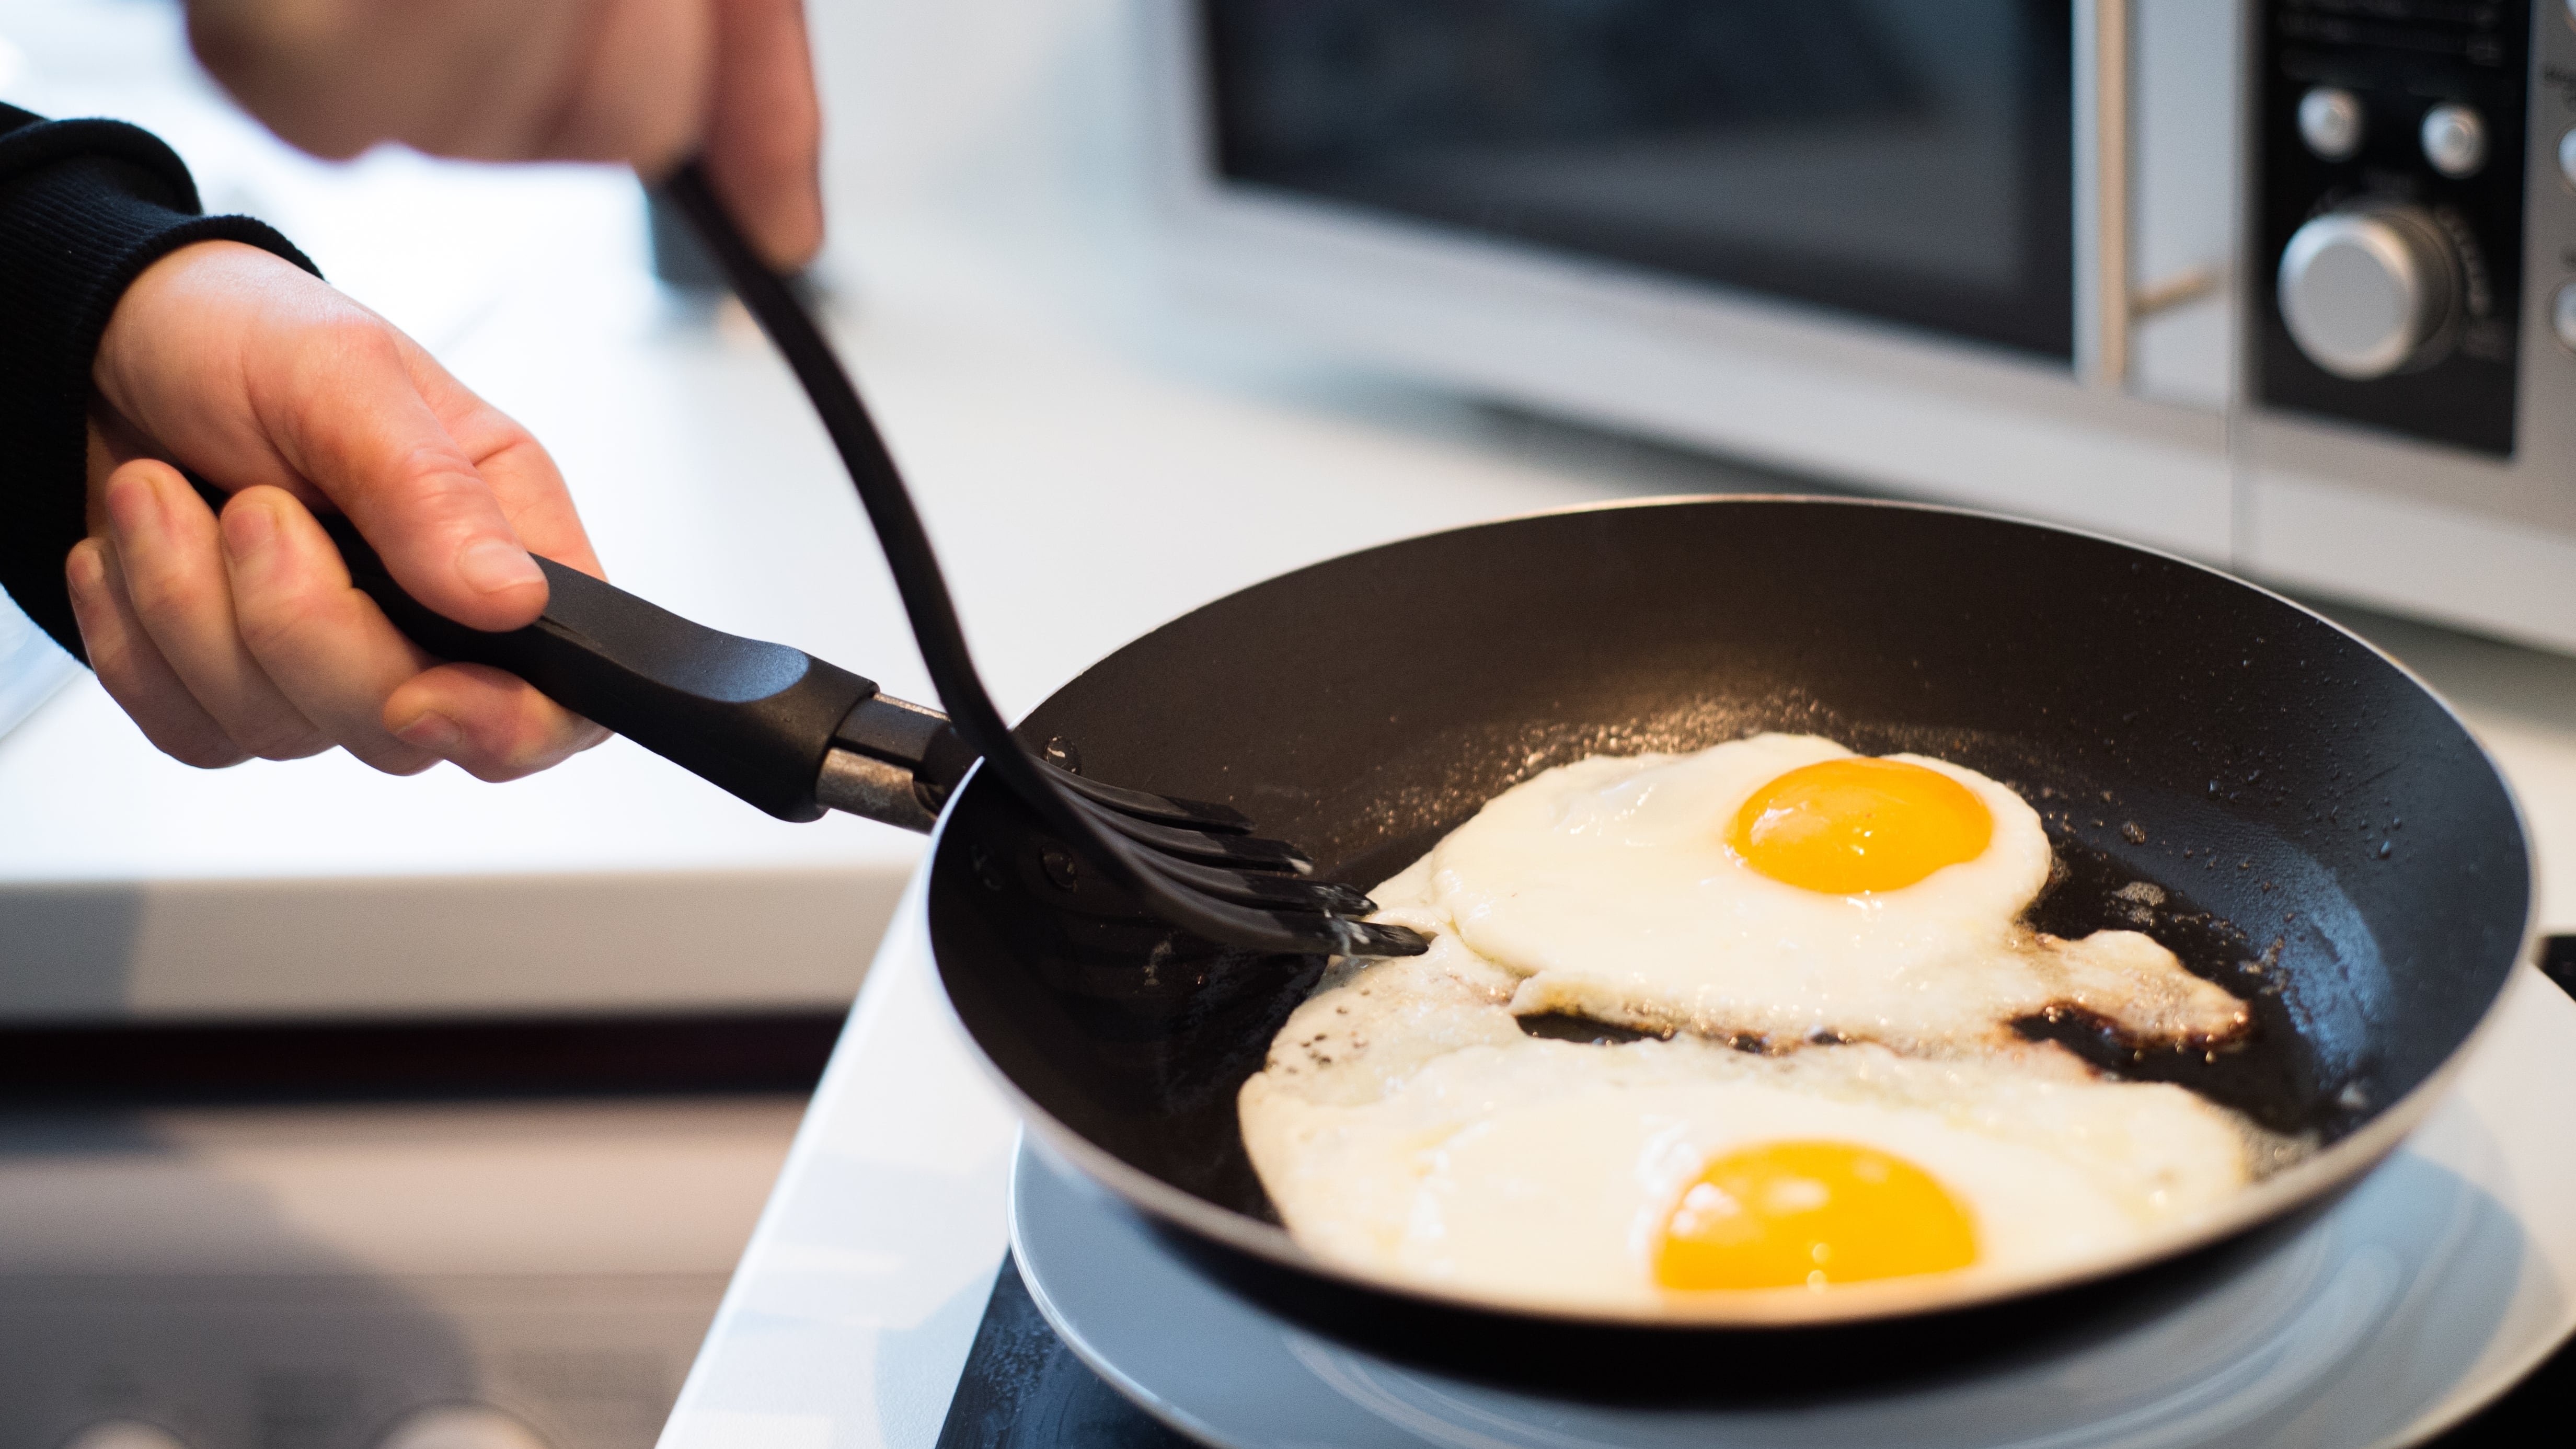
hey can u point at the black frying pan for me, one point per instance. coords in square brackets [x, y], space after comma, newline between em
[2334, 844]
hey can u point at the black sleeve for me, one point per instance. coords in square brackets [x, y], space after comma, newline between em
[85, 206]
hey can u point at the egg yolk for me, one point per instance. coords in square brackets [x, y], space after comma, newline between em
[1789, 1213]
[1856, 824]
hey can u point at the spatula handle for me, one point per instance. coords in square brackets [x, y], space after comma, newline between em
[775, 726]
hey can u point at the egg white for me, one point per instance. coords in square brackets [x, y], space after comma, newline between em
[1608, 888]
[1406, 1127]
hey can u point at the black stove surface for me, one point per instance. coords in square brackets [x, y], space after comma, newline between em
[1024, 1389]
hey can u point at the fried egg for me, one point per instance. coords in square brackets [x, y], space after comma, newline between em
[1781, 889]
[1832, 949]
[1407, 1128]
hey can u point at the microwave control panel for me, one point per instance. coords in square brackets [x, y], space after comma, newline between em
[2390, 184]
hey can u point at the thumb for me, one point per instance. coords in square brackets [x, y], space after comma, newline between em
[357, 428]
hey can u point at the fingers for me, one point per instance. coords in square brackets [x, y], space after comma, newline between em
[525, 483]
[764, 135]
[639, 93]
[171, 566]
[326, 645]
[639, 81]
[133, 671]
[348, 414]
[491, 723]
[332, 653]
[237, 637]
[489, 80]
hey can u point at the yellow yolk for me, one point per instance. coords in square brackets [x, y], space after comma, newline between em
[1856, 824]
[1813, 1213]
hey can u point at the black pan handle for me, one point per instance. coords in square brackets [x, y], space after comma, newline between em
[776, 726]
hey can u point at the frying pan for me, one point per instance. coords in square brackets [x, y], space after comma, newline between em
[2333, 845]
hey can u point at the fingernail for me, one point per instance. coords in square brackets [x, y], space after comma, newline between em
[85, 571]
[494, 564]
[433, 732]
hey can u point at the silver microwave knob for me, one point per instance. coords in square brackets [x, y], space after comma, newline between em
[2370, 291]
[2331, 122]
[2455, 140]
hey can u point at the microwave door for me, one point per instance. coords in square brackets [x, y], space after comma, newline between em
[1906, 162]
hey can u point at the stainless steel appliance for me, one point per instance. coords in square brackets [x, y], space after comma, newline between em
[2271, 282]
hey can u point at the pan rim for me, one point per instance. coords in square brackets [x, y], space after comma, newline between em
[2313, 1178]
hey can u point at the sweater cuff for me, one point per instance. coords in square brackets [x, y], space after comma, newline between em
[85, 206]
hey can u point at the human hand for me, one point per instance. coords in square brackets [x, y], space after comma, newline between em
[640, 81]
[240, 636]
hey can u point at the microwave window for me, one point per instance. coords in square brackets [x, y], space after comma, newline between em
[1906, 160]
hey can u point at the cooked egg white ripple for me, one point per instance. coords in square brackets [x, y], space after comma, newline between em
[1405, 1126]
[1607, 888]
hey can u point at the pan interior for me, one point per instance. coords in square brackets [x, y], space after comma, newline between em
[2332, 844]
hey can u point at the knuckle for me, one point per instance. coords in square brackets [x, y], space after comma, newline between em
[205, 749]
[283, 622]
[161, 588]
[284, 741]
[271, 630]
[394, 760]
[359, 338]
[537, 743]
[343, 343]
[439, 475]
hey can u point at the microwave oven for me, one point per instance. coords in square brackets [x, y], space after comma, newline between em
[2285, 285]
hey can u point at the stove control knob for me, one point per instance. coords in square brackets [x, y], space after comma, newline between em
[462, 1426]
[124, 1434]
[2371, 291]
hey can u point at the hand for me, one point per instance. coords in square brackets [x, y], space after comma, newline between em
[240, 636]
[640, 81]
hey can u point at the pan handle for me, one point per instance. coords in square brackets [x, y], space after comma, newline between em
[776, 726]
